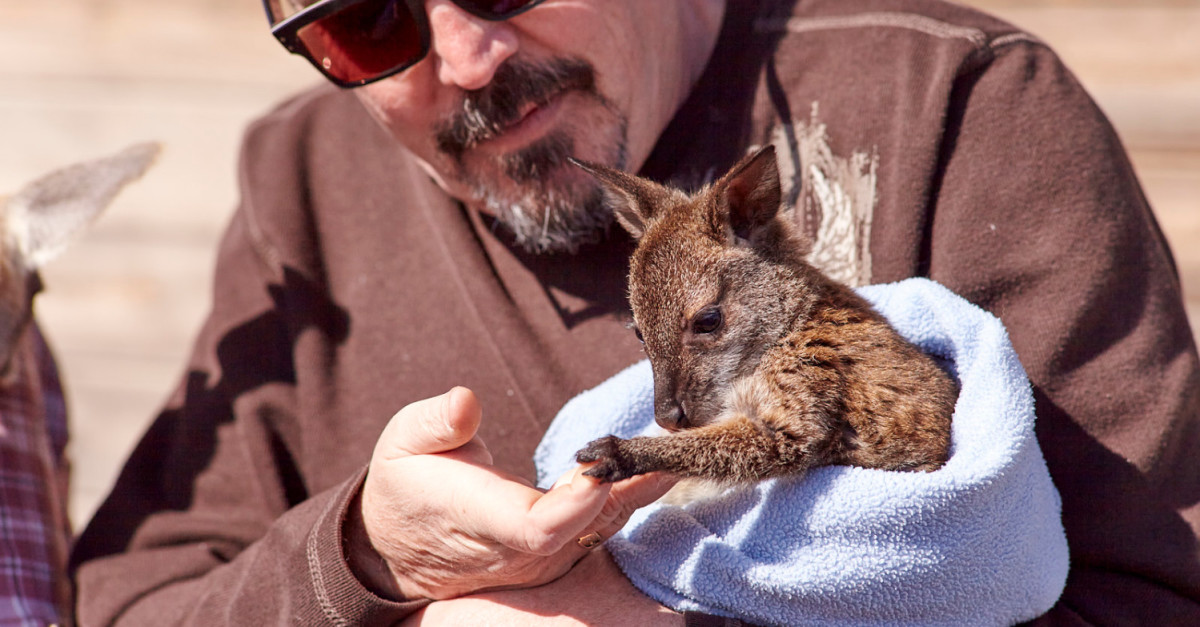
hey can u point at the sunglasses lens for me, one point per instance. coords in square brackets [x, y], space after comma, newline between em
[358, 41]
[495, 9]
[364, 40]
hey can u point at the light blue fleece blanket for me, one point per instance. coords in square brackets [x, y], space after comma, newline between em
[979, 542]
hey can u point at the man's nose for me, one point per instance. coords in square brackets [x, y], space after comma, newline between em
[468, 49]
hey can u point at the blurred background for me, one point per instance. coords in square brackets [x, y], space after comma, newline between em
[83, 78]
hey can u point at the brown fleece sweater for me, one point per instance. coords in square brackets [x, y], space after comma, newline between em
[919, 139]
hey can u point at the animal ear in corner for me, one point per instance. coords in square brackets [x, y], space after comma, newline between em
[752, 192]
[635, 201]
[44, 216]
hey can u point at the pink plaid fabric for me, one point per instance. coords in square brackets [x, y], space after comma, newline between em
[34, 530]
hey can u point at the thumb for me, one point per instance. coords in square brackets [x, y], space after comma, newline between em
[433, 425]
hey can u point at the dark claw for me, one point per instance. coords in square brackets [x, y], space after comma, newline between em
[610, 463]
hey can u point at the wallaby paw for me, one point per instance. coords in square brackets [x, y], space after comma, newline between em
[611, 465]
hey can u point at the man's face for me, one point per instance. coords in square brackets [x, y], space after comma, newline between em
[497, 107]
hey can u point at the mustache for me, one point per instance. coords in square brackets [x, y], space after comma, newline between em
[487, 112]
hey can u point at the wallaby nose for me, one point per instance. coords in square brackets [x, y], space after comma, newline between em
[670, 415]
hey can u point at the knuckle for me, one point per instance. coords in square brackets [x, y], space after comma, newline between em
[617, 511]
[432, 429]
[542, 543]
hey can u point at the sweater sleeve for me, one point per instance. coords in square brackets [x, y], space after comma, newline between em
[1039, 218]
[218, 517]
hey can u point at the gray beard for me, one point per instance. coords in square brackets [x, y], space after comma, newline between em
[542, 212]
[546, 203]
[551, 223]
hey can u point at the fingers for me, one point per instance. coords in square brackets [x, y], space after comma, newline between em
[434, 425]
[628, 496]
[486, 503]
[557, 517]
[637, 492]
[429, 459]
[623, 500]
[568, 511]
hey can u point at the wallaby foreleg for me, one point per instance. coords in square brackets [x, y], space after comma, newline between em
[737, 449]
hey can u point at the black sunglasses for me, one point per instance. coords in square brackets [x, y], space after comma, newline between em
[355, 42]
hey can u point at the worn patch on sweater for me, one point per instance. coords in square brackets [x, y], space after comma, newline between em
[834, 194]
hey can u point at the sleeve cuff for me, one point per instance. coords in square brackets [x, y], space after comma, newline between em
[342, 597]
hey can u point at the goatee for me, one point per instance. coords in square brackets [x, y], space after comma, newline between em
[534, 192]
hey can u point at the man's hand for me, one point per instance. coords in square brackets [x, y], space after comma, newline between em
[594, 592]
[435, 520]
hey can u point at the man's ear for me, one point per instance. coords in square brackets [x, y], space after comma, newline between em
[752, 192]
[635, 201]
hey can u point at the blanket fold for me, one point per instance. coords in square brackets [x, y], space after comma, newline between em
[978, 542]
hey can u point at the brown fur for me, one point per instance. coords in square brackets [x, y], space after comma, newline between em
[41, 219]
[797, 371]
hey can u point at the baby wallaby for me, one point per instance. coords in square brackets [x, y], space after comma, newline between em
[38, 221]
[763, 366]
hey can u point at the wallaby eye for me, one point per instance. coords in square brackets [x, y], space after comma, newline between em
[638, 333]
[708, 320]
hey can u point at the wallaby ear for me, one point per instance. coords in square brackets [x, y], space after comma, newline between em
[635, 201]
[46, 214]
[752, 192]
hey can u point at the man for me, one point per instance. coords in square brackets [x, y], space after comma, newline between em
[422, 231]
